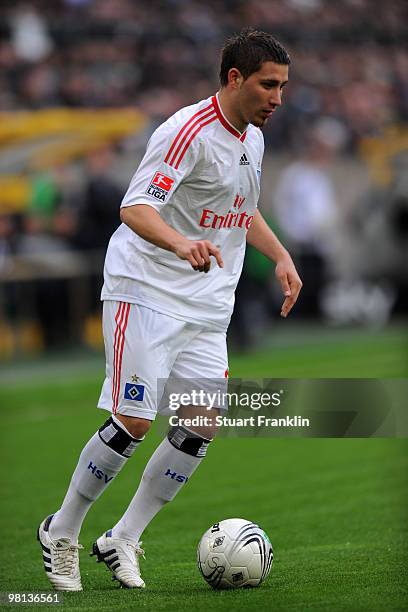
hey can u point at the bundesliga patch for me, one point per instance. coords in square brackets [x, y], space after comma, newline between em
[160, 186]
[134, 392]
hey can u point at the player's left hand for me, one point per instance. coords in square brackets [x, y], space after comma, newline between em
[291, 284]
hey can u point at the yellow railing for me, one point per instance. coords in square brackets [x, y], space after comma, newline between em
[57, 136]
[379, 151]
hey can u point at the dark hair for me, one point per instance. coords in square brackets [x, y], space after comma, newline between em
[248, 50]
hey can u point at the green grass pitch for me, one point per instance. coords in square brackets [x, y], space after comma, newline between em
[335, 509]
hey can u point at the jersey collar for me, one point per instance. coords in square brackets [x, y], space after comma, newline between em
[224, 121]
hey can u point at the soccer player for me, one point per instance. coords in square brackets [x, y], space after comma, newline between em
[170, 274]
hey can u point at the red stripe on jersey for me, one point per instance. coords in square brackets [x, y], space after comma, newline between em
[185, 126]
[193, 135]
[121, 318]
[225, 123]
[192, 127]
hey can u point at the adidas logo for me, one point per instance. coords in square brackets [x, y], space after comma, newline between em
[244, 161]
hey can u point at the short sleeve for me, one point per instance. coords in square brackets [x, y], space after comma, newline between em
[168, 160]
[261, 145]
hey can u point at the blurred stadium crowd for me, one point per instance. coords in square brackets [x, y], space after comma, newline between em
[348, 90]
[350, 61]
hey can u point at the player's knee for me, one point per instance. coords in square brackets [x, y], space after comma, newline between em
[135, 426]
[208, 432]
[119, 437]
[199, 420]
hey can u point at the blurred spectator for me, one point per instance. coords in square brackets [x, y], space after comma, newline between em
[254, 303]
[8, 292]
[349, 61]
[99, 212]
[29, 34]
[378, 237]
[349, 79]
[306, 212]
[45, 243]
[6, 237]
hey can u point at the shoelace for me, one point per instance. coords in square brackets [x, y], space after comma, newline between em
[65, 558]
[139, 552]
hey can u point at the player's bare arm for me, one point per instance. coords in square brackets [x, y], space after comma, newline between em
[148, 224]
[265, 241]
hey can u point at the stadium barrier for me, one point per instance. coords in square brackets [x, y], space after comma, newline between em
[41, 292]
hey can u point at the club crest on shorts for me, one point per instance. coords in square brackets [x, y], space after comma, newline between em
[134, 392]
[160, 186]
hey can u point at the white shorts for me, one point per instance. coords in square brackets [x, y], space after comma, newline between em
[148, 352]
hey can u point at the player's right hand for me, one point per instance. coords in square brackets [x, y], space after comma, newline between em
[198, 253]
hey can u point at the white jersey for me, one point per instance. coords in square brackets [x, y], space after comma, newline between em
[203, 177]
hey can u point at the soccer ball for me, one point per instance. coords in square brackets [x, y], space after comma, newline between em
[234, 553]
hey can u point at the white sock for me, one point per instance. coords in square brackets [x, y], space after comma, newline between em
[166, 472]
[97, 466]
[67, 522]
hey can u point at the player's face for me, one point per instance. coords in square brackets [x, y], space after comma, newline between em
[261, 93]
